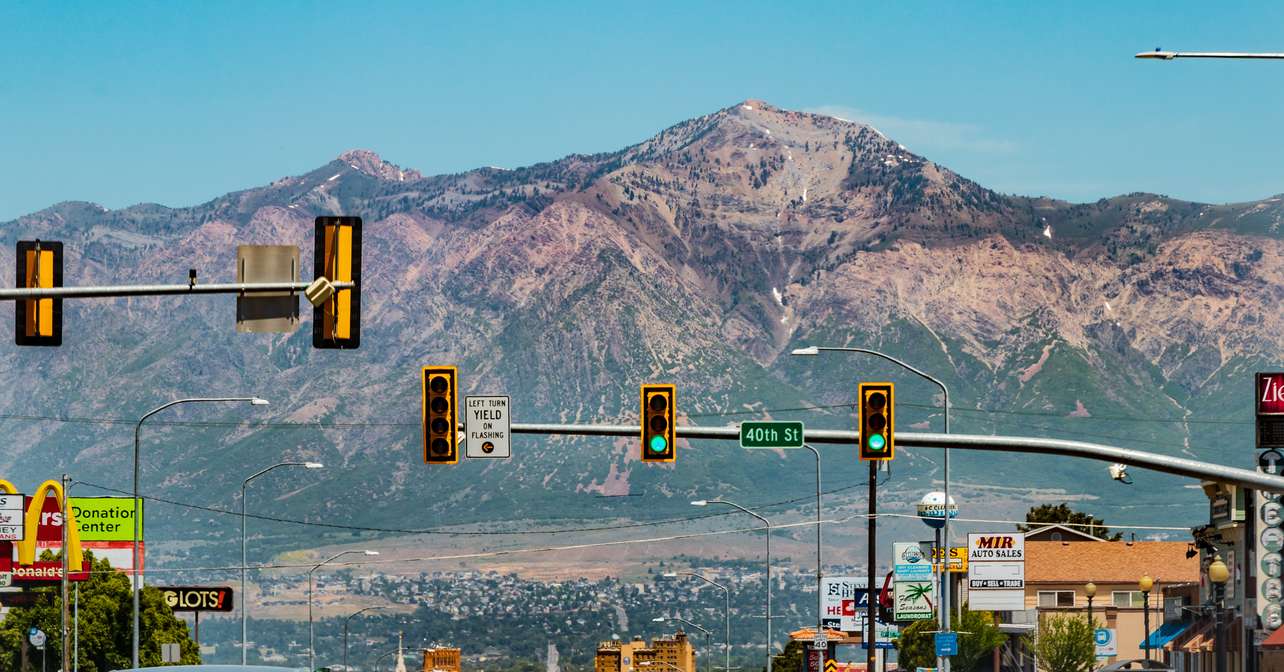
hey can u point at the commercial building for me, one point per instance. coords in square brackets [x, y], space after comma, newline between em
[441, 659]
[662, 654]
[1057, 575]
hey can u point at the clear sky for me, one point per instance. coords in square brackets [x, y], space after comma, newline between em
[179, 102]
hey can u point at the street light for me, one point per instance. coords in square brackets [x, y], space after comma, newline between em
[820, 598]
[662, 619]
[255, 401]
[1145, 584]
[311, 650]
[245, 603]
[345, 632]
[814, 350]
[1219, 574]
[1090, 590]
[702, 502]
[1170, 55]
[726, 609]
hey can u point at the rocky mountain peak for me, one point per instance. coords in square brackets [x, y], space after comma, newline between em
[373, 165]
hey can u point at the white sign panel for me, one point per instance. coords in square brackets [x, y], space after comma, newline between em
[996, 575]
[486, 424]
[843, 602]
[912, 560]
[1004, 547]
[11, 517]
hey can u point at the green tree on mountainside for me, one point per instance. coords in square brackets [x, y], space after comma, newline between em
[1061, 514]
[106, 617]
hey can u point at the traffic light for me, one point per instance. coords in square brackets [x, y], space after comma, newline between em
[336, 322]
[877, 421]
[441, 440]
[659, 435]
[38, 321]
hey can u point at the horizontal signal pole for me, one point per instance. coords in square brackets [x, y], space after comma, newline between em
[157, 290]
[1167, 464]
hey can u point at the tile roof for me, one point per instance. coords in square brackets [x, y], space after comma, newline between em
[1109, 562]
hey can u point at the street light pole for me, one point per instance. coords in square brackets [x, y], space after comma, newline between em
[1090, 591]
[311, 650]
[137, 572]
[820, 599]
[1145, 584]
[702, 502]
[345, 633]
[945, 394]
[726, 611]
[245, 601]
[1218, 574]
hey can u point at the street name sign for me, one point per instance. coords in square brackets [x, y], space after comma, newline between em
[771, 434]
[487, 424]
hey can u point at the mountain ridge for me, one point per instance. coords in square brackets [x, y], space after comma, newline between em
[702, 255]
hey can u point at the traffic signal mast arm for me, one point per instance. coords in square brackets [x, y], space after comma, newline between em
[93, 292]
[1178, 466]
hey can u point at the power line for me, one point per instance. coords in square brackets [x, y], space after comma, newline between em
[441, 531]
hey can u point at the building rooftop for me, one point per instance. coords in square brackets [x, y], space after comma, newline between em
[1109, 562]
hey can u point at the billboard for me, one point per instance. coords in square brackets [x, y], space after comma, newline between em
[198, 598]
[996, 571]
[844, 600]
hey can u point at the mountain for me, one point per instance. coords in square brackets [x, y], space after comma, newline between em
[702, 257]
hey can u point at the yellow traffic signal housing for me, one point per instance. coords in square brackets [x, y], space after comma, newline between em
[336, 323]
[440, 414]
[659, 432]
[38, 321]
[877, 421]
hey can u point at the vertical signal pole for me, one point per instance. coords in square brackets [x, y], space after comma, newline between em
[870, 632]
[66, 567]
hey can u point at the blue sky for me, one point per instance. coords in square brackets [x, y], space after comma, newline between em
[177, 103]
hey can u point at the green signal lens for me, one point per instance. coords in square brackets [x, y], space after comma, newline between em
[658, 444]
[876, 442]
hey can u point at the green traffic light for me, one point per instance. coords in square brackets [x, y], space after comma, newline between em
[876, 442]
[658, 444]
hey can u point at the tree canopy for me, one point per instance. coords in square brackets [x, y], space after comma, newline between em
[916, 645]
[106, 618]
[1066, 644]
[1062, 514]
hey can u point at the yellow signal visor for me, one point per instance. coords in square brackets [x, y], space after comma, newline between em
[39, 321]
[338, 259]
